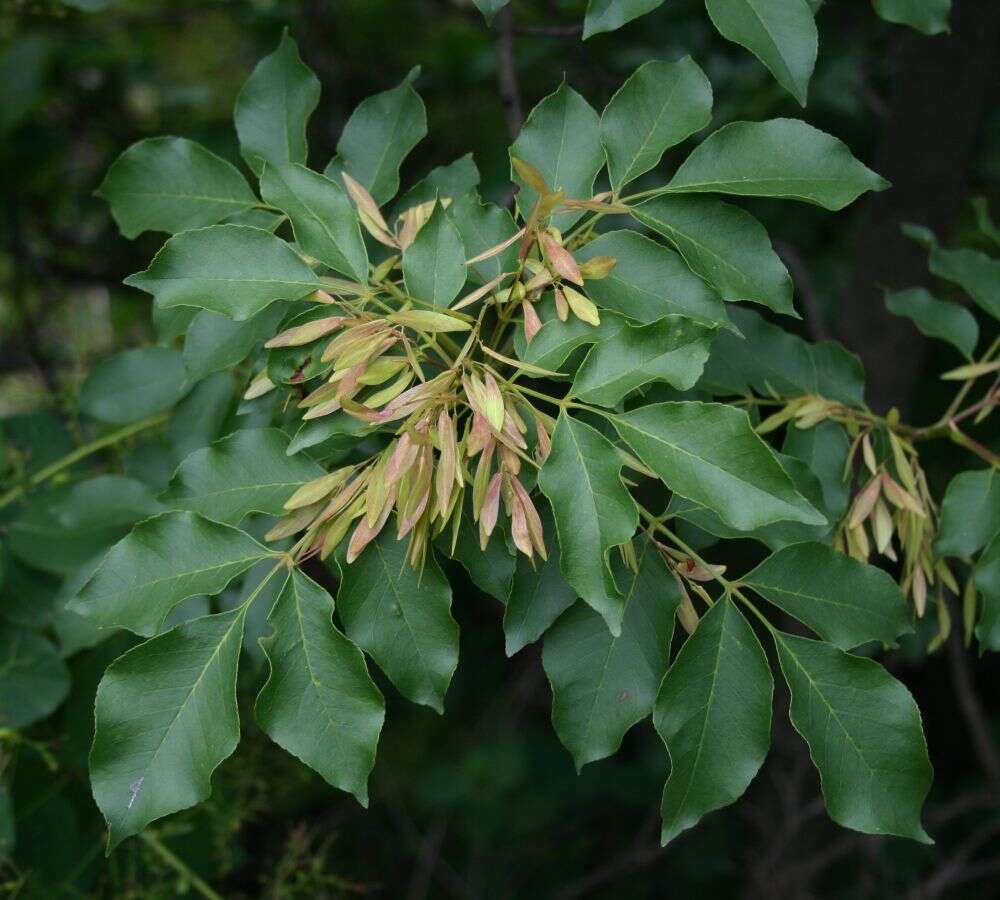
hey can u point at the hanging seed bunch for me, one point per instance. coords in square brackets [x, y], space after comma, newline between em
[460, 429]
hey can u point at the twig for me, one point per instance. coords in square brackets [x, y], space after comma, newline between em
[510, 93]
[806, 290]
[176, 863]
[972, 711]
[80, 453]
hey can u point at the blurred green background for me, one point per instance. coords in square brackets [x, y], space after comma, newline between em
[483, 802]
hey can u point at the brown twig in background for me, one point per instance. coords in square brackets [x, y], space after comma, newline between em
[510, 92]
[970, 707]
[805, 289]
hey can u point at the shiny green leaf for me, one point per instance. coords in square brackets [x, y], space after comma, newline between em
[673, 350]
[134, 384]
[274, 106]
[783, 158]
[322, 216]
[709, 453]
[593, 511]
[970, 513]
[166, 718]
[864, 736]
[660, 105]
[434, 264]
[163, 561]
[172, 184]
[401, 617]
[780, 33]
[723, 244]
[846, 602]
[319, 702]
[713, 712]
[649, 281]
[231, 269]
[248, 471]
[602, 684]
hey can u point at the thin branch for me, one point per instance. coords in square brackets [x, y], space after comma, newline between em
[806, 290]
[510, 92]
[971, 709]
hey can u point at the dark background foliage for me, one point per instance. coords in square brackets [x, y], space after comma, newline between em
[483, 802]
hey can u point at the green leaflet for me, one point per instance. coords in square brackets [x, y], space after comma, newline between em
[556, 340]
[248, 471]
[713, 712]
[322, 216]
[779, 158]
[780, 33]
[379, 135]
[202, 415]
[823, 448]
[649, 281]
[563, 120]
[319, 702]
[434, 264]
[928, 16]
[482, 226]
[610, 15]
[984, 221]
[602, 684]
[846, 602]
[489, 8]
[457, 180]
[257, 218]
[970, 513]
[67, 526]
[937, 318]
[401, 618]
[538, 593]
[172, 184]
[274, 106]
[163, 561]
[723, 244]
[231, 269]
[987, 576]
[768, 359]
[974, 272]
[214, 341]
[150, 759]
[660, 105]
[864, 735]
[673, 350]
[33, 678]
[775, 536]
[709, 453]
[593, 511]
[491, 570]
[134, 384]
